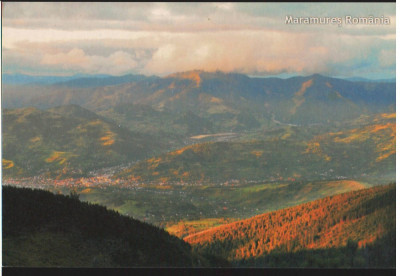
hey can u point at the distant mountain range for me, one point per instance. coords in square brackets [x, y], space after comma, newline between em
[77, 81]
[393, 80]
[21, 79]
[233, 102]
[100, 81]
[87, 80]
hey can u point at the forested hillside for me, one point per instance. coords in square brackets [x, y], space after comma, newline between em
[355, 229]
[43, 229]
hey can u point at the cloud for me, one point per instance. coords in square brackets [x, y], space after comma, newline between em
[386, 58]
[115, 64]
[224, 6]
[162, 38]
[188, 17]
[250, 52]
[263, 52]
[75, 57]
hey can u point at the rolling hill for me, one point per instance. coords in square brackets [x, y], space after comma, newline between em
[368, 150]
[67, 141]
[146, 119]
[354, 229]
[47, 230]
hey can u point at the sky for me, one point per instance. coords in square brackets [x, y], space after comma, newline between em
[64, 38]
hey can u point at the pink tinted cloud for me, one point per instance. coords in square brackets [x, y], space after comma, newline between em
[76, 59]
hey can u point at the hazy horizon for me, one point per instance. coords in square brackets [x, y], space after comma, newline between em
[281, 76]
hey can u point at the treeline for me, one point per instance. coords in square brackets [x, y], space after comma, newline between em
[358, 218]
[43, 229]
[379, 254]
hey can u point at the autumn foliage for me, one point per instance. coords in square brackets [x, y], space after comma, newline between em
[358, 217]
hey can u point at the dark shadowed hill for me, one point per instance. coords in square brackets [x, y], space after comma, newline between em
[47, 230]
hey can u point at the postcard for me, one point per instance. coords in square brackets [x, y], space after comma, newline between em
[199, 135]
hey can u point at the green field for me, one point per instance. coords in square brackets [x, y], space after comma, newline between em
[169, 205]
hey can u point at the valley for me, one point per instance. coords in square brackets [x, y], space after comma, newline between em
[197, 151]
[352, 229]
[198, 137]
[165, 205]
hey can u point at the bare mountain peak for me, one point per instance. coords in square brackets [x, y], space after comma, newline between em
[198, 76]
[194, 75]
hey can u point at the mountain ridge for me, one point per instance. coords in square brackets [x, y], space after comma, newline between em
[216, 94]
